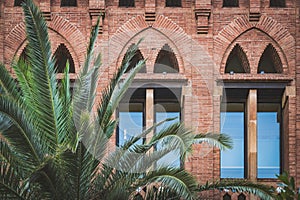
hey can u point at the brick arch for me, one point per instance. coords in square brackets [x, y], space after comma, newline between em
[268, 25]
[163, 25]
[17, 36]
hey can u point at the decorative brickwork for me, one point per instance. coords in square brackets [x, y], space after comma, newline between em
[201, 34]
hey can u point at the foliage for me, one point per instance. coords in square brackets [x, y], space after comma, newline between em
[286, 188]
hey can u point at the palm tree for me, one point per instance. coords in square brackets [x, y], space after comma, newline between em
[52, 146]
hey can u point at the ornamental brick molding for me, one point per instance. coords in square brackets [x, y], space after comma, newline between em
[277, 33]
[61, 26]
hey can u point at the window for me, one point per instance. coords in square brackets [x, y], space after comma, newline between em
[135, 60]
[237, 61]
[230, 3]
[24, 55]
[269, 61]
[126, 3]
[233, 117]
[277, 3]
[133, 116]
[268, 133]
[166, 61]
[237, 113]
[68, 3]
[226, 197]
[173, 3]
[62, 55]
[232, 124]
[242, 197]
[166, 106]
[18, 2]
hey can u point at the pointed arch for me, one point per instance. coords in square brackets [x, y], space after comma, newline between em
[237, 61]
[24, 54]
[62, 54]
[269, 61]
[242, 197]
[135, 59]
[166, 61]
[18, 2]
[226, 197]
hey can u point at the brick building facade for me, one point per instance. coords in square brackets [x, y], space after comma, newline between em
[219, 53]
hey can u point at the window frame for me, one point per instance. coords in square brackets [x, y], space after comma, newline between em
[272, 86]
[66, 3]
[178, 4]
[125, 4]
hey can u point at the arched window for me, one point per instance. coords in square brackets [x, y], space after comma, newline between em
[68, 3]
[135, 60]
[277, 3]
[173, 3]
[269, 61]
[24, 54]
[237, 61]
[61, 55]
[226, 197]
[166, 61]
[230, 3]
[126, 3]
[242, 197]
[18, 2]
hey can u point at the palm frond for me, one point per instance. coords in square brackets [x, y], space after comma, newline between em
[171, 180]
[23, 138]
[10, 183]
[260, 190]
[8, 85]
[43, 81]
[115, 90]
[220, 141]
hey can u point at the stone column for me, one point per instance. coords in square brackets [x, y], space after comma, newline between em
[252, 134]
[149, 110]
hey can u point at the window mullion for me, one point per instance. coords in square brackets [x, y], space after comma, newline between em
[252, 134]
[149, 112]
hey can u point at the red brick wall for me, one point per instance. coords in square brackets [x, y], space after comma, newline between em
[201, 57]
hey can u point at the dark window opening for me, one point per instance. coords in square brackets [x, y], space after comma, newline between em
[173, 3]
[135, 60]
[277, 3]
[242, 197]
[18, 2]
[126, 3]
[226, 197]
[166, 61]
[62, 55]
[237, 61]
[230, 3]
[68, 3]
[270, 61]
[24, 55]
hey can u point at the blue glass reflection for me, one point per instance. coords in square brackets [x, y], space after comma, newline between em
[172, 158]
[268, 145]
[232, 161]
[130, 124]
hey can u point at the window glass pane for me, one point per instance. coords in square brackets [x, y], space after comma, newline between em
[130, 122]
[172, 158]
[268, 125]
[232, 124]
